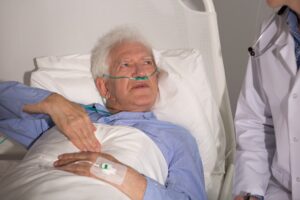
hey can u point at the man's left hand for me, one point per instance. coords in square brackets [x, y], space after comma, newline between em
[134, 184]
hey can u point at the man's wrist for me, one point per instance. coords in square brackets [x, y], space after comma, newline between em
[46, 106]
[134, 184]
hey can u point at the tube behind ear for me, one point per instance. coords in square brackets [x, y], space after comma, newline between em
[103, 100]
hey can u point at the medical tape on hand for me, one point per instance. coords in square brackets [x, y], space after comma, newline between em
[109, 171]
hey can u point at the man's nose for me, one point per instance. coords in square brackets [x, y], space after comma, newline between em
[139, 70]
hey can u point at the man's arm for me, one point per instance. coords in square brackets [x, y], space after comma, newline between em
[70, 118]
[254, 136]
[16, 124]
[185, 180]
[20, 103]
[133, 184]
[13, 97]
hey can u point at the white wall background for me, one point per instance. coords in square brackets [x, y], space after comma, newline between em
[239, 22]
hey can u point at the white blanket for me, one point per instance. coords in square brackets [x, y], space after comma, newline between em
[35, 178]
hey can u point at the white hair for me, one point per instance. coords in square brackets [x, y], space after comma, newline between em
[101, 51]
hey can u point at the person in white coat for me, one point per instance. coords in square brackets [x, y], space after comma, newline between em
[267, 120]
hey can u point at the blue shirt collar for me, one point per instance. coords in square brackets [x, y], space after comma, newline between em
[294, 24]
[121, 115]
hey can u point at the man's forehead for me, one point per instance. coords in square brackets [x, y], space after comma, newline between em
[127, 49]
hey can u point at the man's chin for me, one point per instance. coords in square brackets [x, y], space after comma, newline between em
[143, 105]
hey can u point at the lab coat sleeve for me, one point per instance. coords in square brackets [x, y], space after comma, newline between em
[254, 136]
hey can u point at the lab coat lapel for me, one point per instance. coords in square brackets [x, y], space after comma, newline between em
[284, 53]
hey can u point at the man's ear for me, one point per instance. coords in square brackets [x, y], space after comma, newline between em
[101, 86]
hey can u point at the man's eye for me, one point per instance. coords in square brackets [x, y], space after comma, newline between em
[124, 64]
[148, 62]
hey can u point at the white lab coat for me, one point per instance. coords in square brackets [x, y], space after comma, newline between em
[268, 123]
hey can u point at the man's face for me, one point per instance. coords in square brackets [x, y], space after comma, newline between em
[130, 59]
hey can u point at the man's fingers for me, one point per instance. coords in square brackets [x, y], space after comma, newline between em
[79, 156]
[70, 132]
[77, 168]
[73, 121]
[83, 130]
[92, 141]
[80, 162]
[77, 142]
[78, 136]
[89, 133]
[85, 137]
[96, 144]
[84, 140]
[62, 162]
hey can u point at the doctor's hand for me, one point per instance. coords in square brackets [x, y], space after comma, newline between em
[80, 163]
[70, 118]
[243, 198]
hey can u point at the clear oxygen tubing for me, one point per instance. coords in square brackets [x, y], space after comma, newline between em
[93, 108]
[2, 140]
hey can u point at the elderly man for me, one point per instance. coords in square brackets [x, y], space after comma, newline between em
[126, 76]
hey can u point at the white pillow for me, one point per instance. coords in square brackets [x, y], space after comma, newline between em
[185, 98]
[67, 75]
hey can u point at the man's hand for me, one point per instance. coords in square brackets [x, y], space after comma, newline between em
[70, 118]
[134, 184]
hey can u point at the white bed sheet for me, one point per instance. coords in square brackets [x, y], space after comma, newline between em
[35, 178]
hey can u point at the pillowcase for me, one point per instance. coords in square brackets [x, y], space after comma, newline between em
[67, 75]
[185, 98]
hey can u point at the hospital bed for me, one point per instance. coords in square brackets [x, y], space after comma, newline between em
[46, 44]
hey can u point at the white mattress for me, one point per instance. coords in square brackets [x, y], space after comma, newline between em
[10, 150]
[10, 154]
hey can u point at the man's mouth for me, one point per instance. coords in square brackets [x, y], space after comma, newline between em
[140, 86]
